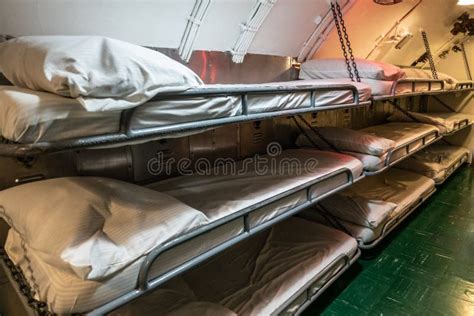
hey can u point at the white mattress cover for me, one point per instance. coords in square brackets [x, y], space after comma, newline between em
[446, 122]
[258, 276]
[400, 187]
[434, 161]
[401, 132]
[32, 116]
[229, 193]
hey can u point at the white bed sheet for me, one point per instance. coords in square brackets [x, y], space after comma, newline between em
[28, 116]
[259, 276]
[400, 187]
[405, 136]
[435, 161]
[230, 192]
[446, 122]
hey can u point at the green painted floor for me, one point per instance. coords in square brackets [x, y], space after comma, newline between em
[425, 267]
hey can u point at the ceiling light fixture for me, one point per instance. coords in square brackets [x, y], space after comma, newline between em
[465, 2]
[388, 2]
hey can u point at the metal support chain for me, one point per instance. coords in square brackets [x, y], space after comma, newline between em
[303, 131]
[406, 112]
[348, 42]
[341, 40]
[429, 55]
[41, 308]
[315, 131]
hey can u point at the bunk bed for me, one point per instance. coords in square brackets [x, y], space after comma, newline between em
[373, 207]
[386, 81]
[279, 271]
[447, 122]
[239, 206]
[437, 161]
[400, 141]
[72, 272]
[39, 122]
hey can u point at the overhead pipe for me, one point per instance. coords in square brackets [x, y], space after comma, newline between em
[395, 26]
[193, 25]
[248, 30]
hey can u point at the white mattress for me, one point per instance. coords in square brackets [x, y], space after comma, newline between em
[445, 122]
[259, 276]
[385, 87]
[229, 192]
[436, 161]
[406, 136]
[400, 187]
[28, 116]
[217, 196]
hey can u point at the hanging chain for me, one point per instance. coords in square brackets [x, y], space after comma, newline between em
[348, 42]
[430, 57]
[41, 308]
[341, 40]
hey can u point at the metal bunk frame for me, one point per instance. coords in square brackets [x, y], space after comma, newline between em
[145, 285]
[464, 85]
[459, 87]
[453, 167]
[413, 82]
[311, 297]
[388, 227]
[127, 135]
[388, 160]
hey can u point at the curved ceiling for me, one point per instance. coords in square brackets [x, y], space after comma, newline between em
[290, 26]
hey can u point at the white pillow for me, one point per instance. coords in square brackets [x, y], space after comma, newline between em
[344, 139]
[359, 210]
[101, 73]
[337, 68]
[94, 227]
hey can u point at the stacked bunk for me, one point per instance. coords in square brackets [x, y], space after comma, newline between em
[437, 161]
[224, 241]
[377, 147]
[373, 207]
[112, 236]
[386, 80]
[279, 271]
[116, 241]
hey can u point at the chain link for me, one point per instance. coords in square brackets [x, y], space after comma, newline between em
[348, 42]
[41, 308]
[434, 73]
[341, 40]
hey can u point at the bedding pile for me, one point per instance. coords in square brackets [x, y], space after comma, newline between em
[259, 276]
[366, 208]
[371, 150]
[381, 77]
[102, 74]
[437, 161]
[446, 122]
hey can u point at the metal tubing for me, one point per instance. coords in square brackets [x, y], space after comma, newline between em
[392, 224]
[389, 163]
[145, 285]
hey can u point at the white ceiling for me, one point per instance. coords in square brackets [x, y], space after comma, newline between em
[161, 23]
